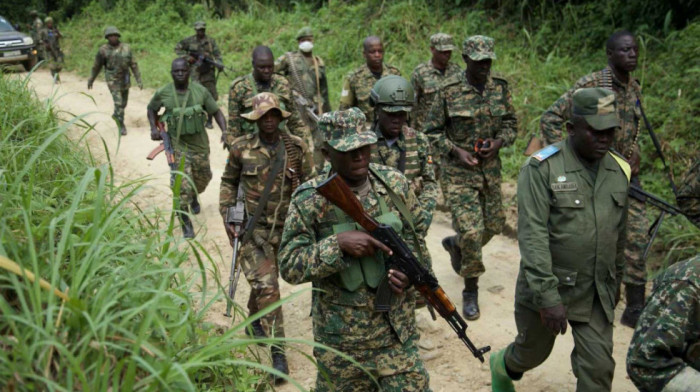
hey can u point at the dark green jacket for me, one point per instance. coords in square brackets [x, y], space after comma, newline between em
[571, 231]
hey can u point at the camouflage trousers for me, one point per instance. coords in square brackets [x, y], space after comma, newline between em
[397, 368]
[635, 271]
[477, 215]
[259, 264]
[207, 80]
[120, 96]
[197, 176]
[55, 60]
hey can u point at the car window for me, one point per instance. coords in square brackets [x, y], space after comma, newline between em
[5, 25]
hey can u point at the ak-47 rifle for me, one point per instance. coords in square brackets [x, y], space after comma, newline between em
[201, 58]
[666, 208]
[235, 216]
[337, 192]
[165, 145]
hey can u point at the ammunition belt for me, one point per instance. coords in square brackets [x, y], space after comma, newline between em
[293, 159]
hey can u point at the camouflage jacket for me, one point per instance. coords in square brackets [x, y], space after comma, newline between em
[418, 165]
[206, 47]
[51, 37]
[117, 61]
[627, 101]
[240, 101]
[309, 252]
[460, 116]
[667, 338]
[290, 61]
[249, 164]
[426, 80]
[357, 86]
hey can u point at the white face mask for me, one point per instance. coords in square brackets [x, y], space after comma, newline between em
[306, 46]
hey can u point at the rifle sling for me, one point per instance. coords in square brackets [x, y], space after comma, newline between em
[262, 202]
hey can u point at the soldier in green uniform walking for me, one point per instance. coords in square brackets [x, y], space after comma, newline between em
[320, 244]
[262, 79]
[664, 354]
[197, 49]
[186, 107]
[471, 119]
[572, 208]
[359, 82]
[49, 38]
[622, 52]
[117, 59]
[35, 28]
[428, 76]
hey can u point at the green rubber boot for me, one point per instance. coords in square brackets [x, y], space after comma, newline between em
[500, 381]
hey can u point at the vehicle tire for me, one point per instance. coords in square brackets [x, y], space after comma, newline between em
[29, 64]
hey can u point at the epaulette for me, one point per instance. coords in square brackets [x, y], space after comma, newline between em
[392, 67]
[623, 164]
[545, 153]
[238, 80]
[454, 79]
[242, 138]
[307, 187]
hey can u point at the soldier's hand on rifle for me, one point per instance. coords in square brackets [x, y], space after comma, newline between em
[231, 232]
[554, 318]
[398, 281]
[464, 157]
[155, 135]
[90, 81]
[491, 149]
[359, 244]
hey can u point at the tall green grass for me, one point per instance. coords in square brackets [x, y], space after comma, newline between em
[136, 293]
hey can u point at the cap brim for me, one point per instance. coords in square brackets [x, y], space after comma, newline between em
[394, 109]
[353, 142]
[482, 56]
[444, 48]
[256, 114]
[602, 122]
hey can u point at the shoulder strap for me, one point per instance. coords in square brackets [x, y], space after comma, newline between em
[262, 202]
[319, 104]
[182, 107]
[403, 210]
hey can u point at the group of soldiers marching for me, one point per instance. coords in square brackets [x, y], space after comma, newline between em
[397, 144]
[47, 38]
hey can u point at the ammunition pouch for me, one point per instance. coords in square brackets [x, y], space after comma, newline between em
[193, 119]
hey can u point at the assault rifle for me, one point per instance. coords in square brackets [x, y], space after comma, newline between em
[235, 215]
[166, 145]
[201, 58]
[666, 208]
[337, 192]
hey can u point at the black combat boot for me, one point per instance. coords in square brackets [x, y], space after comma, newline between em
[635, 304]
[209, 124]
[470, 298]
[255, 330]
[279, 362]
[187, 229]
[451, 246]
[195, 207]
[122, 130]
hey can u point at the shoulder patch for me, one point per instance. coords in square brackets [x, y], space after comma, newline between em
[545, 153]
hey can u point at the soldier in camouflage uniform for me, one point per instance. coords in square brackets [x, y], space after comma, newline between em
[622, 54]
[306, 74]
[359, 82]
[427, 77]
[664, 354]
[400, 146]
[471, 119]
[262, 79]
[322, 245]
[49, 37]
[116, 58]
[251, 159]
[689, 193]
[197, 49]
[35, 28]
[186, 107]
[572, 205]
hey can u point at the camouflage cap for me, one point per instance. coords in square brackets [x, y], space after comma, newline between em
[442, 42]
[597, 107]
[304, 32]
[479, 47]
[345, 130]
[263, 103]
[111, 30]
[198, 25]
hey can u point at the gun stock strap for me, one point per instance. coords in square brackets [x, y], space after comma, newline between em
[262, 202]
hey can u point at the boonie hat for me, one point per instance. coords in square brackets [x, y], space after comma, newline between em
[345, 130]
[442, 42]
[479, 47]
[597, 107]
[198, 25]
[263, 103]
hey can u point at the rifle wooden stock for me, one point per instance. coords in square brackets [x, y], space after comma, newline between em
[337, 192]
[151, 155]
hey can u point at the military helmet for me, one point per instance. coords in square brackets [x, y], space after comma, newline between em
[111, 30]
[393, 91]
[48, 19]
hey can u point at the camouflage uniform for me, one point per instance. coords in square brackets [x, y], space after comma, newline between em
[306, 67]
[357, 86]
[240, 100]
[459, 117]
[205, 73]
[426, 80]
[627, 100]
[689, 193]
[344, 319]
[49, 37]
[117, 61]
[35, 30]
[664, 354]
[249, 164]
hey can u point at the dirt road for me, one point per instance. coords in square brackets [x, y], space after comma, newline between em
[451, 366]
